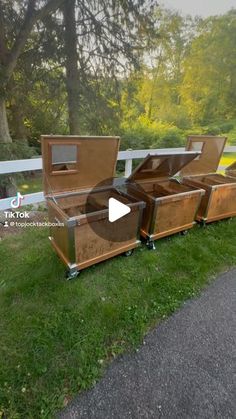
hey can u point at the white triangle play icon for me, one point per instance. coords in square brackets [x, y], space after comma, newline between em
[117, 210]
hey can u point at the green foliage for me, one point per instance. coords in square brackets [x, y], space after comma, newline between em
[185, 83]
[43, 109]
[16, 150]
[99, 106]
[227, 129]
[57, 336]
[212, 130]
[30, 184]
[209, 83]
[145, 134]
[232, 136]
[227, 126]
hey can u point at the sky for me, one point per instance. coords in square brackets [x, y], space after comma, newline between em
[202, 8]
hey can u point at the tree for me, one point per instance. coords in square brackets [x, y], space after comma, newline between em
[159, 82]
[209, 84]
[71, 64]
[24, 15]
[40, 73]
[102, 40]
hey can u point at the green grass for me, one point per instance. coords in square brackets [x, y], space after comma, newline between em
[30, 185]
[57, 336]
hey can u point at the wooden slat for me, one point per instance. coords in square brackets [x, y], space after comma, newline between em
[17, 166]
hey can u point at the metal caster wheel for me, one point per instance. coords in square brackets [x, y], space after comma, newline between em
[128, 253]
[184, 233]
[71, 275]
[203, 224]
[151, 245]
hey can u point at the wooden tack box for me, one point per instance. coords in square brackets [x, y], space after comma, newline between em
[170, 206]
[78, 175]
[219, 201]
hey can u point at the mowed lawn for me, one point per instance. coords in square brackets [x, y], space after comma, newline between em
[30, 185]
[57, 336]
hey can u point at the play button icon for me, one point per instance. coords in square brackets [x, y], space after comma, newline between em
[117, 210]
[110, 212]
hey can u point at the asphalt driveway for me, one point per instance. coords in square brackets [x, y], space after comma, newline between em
[186, 367]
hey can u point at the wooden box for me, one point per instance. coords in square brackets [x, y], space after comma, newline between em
[219, 200]
[231, 170]
[170, 206]
[78, 182]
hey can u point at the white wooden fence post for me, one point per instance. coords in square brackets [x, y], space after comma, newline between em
[128, 165]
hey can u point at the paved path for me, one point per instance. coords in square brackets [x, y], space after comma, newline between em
[185, 369]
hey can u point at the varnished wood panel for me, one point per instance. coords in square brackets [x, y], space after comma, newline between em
[161, 166]
[211, 148]
[219, 201]
[170, 206]
[95, 163]
[90, 246]
[174, 215]
[81, 244]
[78, 183]
[223, 203]
[59, 234]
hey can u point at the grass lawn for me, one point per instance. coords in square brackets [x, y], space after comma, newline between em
[57, 336]
[30, 185]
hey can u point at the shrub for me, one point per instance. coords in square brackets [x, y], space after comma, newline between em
[226, 127]
[146, 134]
[172, 139]
[213, 130]
[222, 128]
[232, 137]
[177, 116]
[16, 150]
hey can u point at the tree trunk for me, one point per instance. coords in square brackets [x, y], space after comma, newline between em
[8, 62]
[17, 123]
[8, 186]
[72, 72]
[5, 136]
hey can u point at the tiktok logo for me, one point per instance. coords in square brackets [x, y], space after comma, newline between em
[16, 202]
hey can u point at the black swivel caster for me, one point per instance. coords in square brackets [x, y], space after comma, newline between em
[72, 274]
[184, 233]
[203, 224]
[151, 245]
[128, 253]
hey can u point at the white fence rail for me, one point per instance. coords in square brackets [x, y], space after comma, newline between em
[17, 166]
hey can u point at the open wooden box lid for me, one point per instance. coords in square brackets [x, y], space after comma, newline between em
[211, 151]
[73, 163]
[163, 165]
